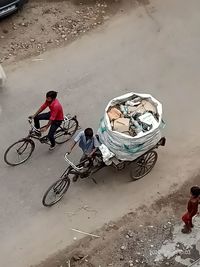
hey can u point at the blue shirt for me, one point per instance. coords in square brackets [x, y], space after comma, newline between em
[86, 145]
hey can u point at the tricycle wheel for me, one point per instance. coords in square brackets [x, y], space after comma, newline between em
[143, 165]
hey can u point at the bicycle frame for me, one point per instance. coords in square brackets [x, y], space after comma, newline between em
[44, 139]
[81, 170]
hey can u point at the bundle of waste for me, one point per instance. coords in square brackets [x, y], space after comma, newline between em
[134, 116]
[131, 125]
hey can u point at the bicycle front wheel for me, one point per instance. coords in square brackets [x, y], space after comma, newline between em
[66, 131]
[19, 152]
[55, 192]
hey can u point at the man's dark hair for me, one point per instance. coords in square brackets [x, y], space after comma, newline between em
[195, 191]
[88, 132]
[51, 94]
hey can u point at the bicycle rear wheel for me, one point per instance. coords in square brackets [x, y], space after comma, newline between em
[19, 152]
[66, 131]
[56, 191]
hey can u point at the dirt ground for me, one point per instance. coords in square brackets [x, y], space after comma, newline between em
[135, 240]
[42, 25]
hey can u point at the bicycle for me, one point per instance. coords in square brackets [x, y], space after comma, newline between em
[140, 167]
[84, 169]
[23, 148]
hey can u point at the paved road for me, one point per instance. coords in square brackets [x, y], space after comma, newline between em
[153, 50]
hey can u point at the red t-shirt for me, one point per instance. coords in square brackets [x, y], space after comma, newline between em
[193, 206]
[56, 110]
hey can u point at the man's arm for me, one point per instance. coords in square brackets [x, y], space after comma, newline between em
[74, 142]
[96, 145]
[71, 146]
[92, 152]
[37, 112]
[45, 128]
[52, 118]
[44, 106]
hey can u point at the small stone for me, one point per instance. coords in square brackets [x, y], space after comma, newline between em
[24, 24]
[123, 247]
[106, 17]
[127, 236]
[77, 257]
[130, 233]
[121, 258]
[5, 31]
[32, 40]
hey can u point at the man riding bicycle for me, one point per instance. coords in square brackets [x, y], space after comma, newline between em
[55, 117]
[89, 144]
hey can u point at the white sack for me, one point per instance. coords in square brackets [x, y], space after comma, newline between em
[106, 154]
[127, 147]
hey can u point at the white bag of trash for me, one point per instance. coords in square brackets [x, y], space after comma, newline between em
[128, 139]
[106, 154]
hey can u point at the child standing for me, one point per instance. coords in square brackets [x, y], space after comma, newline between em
[192, 209]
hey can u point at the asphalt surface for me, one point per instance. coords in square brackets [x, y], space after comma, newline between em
[152, 49]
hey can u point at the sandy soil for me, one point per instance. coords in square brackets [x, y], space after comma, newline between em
[42, 25]
[136, 239]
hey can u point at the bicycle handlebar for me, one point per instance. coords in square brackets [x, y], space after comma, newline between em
[72, 164]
